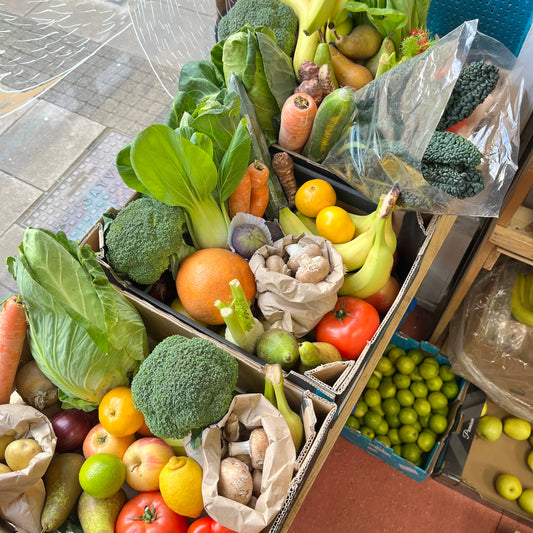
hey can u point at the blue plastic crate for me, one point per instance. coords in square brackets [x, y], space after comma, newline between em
[506, 21]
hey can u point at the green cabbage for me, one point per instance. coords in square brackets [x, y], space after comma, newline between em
[84, 335]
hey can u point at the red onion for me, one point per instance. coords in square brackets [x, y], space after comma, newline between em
[71, 427]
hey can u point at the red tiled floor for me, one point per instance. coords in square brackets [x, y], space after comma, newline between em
[356, 492]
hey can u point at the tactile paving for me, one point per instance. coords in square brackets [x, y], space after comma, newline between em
[85, 193]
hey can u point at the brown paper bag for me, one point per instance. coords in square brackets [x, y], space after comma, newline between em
[253, 410]
[297, 306]
[22, 492]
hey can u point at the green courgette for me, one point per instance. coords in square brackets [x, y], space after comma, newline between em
[334, 114]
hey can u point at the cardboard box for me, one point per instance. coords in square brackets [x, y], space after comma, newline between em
[384, 452]
[318, 413]
[334, 380]
[474, 476]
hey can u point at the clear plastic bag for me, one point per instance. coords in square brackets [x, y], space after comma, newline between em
[491, 349]
[398, 112]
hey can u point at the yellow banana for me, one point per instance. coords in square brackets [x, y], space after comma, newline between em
[363, 222]
[390, 236]
[290, 223]
[319, 18]
[376, 270]
[355, 252]
[518, 297]
[529, 290]
[308, 222]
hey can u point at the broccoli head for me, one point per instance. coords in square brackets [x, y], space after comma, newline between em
[279, 17]
[145, 239]
[184, 385]
[450, 163]
[475, 82]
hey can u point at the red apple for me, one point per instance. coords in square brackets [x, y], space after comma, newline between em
[98, 440]
[384, 298]
[144, 460]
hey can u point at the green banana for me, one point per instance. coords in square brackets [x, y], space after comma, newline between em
[355, 252]
[376, 270]
[290, 223]
[308, 222]
[520, 300]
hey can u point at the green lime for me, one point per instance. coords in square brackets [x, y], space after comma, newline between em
[431, 361]
[404, 364]
[383, 428]
[415, 375]
[401, 381]
[387, 389]
[390, 347]
[416, 355]
[391, 406]
[360, 409]
[407, 415]
[411, 452]
[397, 449]
[407, 433]
[438, 423]
[405, 397]
[367, 432]
[385, 366]
[372, 397]
[353, 422]
[450, 389]
[393, 435]
[424, 420]
[373, 382]
[377, 409]
[445, 372]
[437, 400]
[419, 389]
[426, 440]
[394, 353]
[384, 440]
[393, 421]
[422, 407]
[442, 411]
[372, 420]
[427, 370]
[102, 474]
[434, 384]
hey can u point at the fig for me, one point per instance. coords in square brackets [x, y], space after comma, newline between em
[247, 233]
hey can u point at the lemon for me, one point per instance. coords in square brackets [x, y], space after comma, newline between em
[102, 475]
[180, 484]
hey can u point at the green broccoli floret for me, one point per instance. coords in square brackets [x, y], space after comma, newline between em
[145, 239]
[184, 385]
[475, 82]
[279, 17]
[450, 163]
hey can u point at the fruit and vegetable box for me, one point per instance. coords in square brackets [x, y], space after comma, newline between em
[407, 408]
[496, 469]
[103, 453]
[288, 308]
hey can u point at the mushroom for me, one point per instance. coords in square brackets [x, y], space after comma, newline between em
[255, 447]
[235, 480]
[231, 429]
[257, 477]
[275, 263]
[297, 251]
[312, 269]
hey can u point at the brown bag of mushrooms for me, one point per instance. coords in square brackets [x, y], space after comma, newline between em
[248, 461]
[297, 279]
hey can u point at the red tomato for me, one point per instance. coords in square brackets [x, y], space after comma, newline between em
[207, 525]
[348, 326]
[148, 513]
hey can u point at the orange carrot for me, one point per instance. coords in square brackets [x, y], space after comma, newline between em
[13, 328]
[239, 200]
[258, 174]
[259, 200]
[297, 117]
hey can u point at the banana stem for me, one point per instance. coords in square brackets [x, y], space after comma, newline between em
[389, 202]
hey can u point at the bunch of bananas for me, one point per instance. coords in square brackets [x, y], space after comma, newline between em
[369, 256]
[522, 298]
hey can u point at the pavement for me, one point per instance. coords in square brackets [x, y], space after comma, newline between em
[79, 79]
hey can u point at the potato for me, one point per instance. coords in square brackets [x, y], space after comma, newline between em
[4, 441]
[20, 452]
[4, 469]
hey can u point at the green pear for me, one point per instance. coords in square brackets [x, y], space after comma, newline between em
[309, 355]
[348, 73]
[277, 345]
[387, 47]
[361, 43]
[98, 515]
[328, 352]
[517, 428]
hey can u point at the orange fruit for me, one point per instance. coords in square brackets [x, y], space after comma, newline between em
[314, 195]
[180, 484]
[117, 413]
[335, 224]
[204, 276]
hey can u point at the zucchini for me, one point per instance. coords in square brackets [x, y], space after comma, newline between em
[334, 114]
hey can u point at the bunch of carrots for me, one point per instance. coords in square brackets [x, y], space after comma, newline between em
[13, 327]
[252, 194]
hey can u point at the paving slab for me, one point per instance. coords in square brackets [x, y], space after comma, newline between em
[17, 197]
[44, 143]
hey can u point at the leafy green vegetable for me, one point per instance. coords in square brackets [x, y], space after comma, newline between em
[178, 170]
[84, 335]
